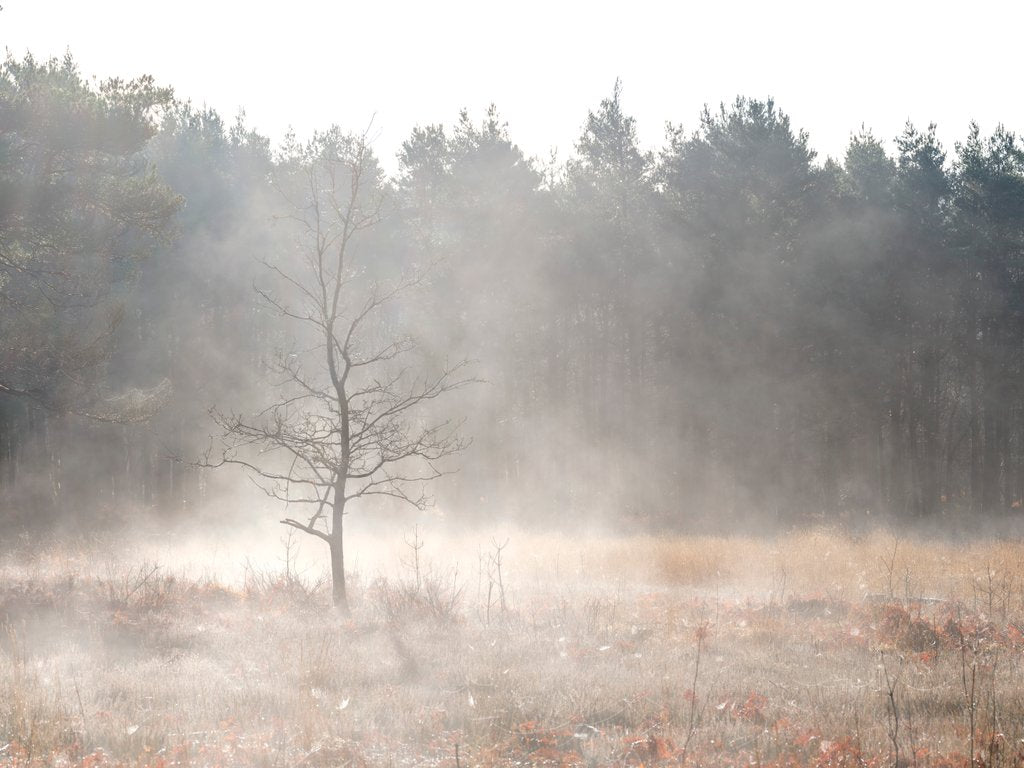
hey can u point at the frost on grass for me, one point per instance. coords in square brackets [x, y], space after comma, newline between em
[654, 660]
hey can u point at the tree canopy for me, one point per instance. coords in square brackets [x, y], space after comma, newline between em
[724, 328]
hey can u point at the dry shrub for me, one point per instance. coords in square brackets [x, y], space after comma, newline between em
[145, 587]
[437, 597]
[284, 586]
[897, 626]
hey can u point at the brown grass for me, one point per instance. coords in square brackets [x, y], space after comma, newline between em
[809, 649]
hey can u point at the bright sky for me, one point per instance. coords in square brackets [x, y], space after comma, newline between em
[306, 64]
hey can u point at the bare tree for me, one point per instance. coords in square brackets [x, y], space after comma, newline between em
[351, 416]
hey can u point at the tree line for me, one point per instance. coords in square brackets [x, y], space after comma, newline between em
[729, 328]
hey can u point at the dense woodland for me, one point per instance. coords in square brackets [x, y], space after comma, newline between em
[727, 329]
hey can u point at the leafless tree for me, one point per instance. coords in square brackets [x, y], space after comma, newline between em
[351, 417]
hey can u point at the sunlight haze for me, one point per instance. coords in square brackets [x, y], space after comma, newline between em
[486, 385]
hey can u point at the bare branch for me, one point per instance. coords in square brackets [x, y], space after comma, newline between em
[350, 420]
[307, 528]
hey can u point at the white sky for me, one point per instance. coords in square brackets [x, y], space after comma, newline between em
[831, 66]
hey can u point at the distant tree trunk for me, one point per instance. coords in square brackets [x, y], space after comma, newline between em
[1003, 412]
[1017, 466]
[1003, 438]
[913, 504]
[990, 463]
[897, 473]
[990, 420]
[975, 439]
[930, 452]
[990, 449]
[829, 471]
[881, 466]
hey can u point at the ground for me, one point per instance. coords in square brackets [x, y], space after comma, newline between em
[816, 648]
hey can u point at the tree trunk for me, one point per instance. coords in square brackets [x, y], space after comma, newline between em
[337, 543]
[338, 575]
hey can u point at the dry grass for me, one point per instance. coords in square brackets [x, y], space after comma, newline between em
[809, 649]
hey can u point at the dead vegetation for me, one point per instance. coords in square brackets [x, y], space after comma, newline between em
[812, 649]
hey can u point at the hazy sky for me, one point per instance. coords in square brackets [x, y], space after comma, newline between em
[831, 66]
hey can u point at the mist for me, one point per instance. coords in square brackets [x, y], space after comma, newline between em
[493, 460]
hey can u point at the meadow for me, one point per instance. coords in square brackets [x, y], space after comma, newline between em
[816, 648]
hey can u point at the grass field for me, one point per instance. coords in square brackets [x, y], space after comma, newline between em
[815, 649]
